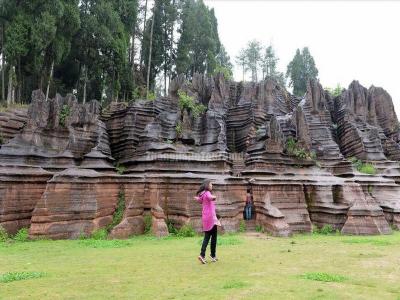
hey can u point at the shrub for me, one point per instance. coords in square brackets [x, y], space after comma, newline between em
[120, 169]
[100, 234]
[327, 229]
[294, 150]
[259, 228]
[22, 235]
[3, 235]
[171, 227]
[366, 168]
[64, 113]
[148, 220]
[151, 96]
[119, 211]
[186, 231]
[178, 128]
[242, 226]
[225, 71]
[187, 102]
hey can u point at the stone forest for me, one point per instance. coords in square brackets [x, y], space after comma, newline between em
[64, 166]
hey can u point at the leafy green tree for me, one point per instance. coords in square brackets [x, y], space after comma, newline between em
[268, 65]
[241, 60]
[253, 58]
[334, 92]
[300, 70]
[199, 42]
[224, 64]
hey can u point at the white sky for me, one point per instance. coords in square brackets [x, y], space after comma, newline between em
[348, 39]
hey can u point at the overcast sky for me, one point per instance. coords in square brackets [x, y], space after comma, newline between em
[348, 39]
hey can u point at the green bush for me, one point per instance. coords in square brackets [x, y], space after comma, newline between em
[148, 220]
[186, 231]
[119, 211]
[151, 96]
[3, 235]
[366, 168]
[225, 71]
[100, 234]
[22, 235]
[242, 226]
[64, 113]
[259, 228]
[178, 128]
[327, 229]
[120, 169]
[187, 102]
[294, 150]
[171, 227]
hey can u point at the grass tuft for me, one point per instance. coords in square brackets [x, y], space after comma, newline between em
[234, 285]
[325, 277]
[3, 235]
[16, 276]
[22, 235]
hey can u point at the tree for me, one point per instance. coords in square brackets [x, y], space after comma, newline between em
[268, 65]
[199, 42]
[253, 58]
[224, 64]
[241, 60]
[300, 70]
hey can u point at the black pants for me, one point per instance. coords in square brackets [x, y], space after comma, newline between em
[207, 234]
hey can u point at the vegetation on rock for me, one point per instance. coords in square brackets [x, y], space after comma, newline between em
[363, 167]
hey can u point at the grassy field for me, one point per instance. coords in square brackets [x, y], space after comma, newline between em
[250, 267]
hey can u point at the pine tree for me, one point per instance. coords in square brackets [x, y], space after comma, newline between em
[300, 70]
[253, 58]
[241, 60]
[199, 42]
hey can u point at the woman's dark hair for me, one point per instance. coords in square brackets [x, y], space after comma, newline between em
[204, 186]
[248, 190]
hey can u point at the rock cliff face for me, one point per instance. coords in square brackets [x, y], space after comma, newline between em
[295, 154]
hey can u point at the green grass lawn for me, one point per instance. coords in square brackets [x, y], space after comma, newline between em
[250, 267]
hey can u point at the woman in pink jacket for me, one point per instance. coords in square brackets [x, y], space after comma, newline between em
[209, 219]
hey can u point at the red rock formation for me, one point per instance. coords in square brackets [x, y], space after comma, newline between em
[244, 132]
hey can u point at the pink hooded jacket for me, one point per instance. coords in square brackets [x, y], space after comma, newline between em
[209, 217]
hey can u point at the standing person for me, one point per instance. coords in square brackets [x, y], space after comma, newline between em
[209, 220]
[249, 205]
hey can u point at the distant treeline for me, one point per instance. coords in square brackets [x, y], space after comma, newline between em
[122, 49]
[105, 49]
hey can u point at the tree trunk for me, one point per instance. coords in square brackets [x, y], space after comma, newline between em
[49, 81]
[144, 29]
[3, 89]
[11, 92]
[150, 50]
[84, 83]
[133, 53]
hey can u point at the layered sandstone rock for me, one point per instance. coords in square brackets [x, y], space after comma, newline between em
[76, 202]
[60, 133]
[240, 141]
[21, 188]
